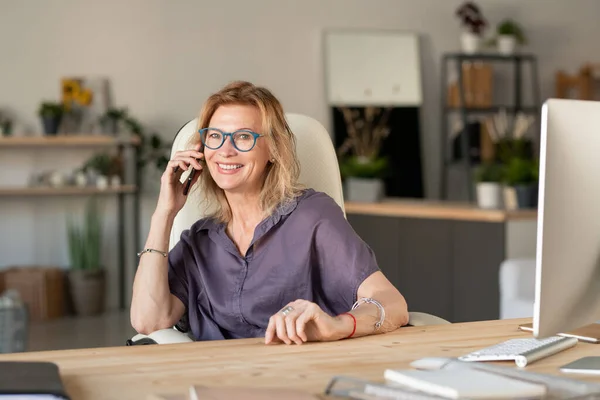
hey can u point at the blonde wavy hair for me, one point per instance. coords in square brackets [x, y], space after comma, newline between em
[281, 180]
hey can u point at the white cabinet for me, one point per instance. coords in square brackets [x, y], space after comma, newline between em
[372, 68]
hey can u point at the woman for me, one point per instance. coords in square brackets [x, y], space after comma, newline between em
[275, 260]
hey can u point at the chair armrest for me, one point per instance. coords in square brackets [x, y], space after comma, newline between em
[422, 319]
[162, 336]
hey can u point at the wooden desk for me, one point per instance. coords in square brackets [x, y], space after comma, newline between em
[135, 372]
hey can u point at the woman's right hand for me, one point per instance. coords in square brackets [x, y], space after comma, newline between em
[171, 198]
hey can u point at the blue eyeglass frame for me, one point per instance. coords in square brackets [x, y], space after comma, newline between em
[230, 134]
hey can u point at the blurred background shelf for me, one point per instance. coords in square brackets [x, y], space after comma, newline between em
[66, 191]
[493, 109]
[68, 141]
[489, 57]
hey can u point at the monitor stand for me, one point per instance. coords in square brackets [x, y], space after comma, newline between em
[588, 333]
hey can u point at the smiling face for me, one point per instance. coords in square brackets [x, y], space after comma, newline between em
[234, 170]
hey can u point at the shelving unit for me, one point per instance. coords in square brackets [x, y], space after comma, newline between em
[517, 61]
[65, 191]
[87, 141]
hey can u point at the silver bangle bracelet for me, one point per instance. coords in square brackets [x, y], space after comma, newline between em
[162, 253]
[378, 304]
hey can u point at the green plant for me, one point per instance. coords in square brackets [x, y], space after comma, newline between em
[153, 150]
[508, 148]
[85, 241]
[103, 163]
[489, 172]
[51, 109]
[5, 125]
[152, 147]
[115, 113]
[362, 167]
[510, 27]
[519, 171]
[359, 155]
[472, 18]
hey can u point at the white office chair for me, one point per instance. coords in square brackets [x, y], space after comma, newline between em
[319, 170]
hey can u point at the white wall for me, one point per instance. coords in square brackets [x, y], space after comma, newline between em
[164, 57]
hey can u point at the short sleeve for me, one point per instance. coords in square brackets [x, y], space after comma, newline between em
[178, 278]
[345, 260]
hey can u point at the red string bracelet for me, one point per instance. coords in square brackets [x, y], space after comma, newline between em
[354, 329]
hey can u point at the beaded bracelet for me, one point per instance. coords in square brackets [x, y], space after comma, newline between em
[378, 304]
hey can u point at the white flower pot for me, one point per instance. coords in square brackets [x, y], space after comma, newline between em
[489, 195]
[81, 179]
[102, 182]
[115, 181]
[57, 179]
[507, 44]
[470, 42]
[364, 190]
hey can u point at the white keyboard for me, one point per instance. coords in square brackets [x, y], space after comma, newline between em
[522, 351]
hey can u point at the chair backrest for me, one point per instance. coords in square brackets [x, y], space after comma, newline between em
[319, 168]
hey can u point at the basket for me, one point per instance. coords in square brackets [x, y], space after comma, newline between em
[13, 324]
[41, 289]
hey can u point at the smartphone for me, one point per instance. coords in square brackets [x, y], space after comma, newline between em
[586, 365]
[588, 333]
[194, 171]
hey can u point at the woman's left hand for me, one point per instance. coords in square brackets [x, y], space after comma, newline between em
[302, 320]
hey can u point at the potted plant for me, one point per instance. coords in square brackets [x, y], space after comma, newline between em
[521, 178]
[488, 178]
[111, 120]
[5, 125]
[361, 165]
[363, 177]
[509, 34]
[51, 114]
[86, 277]
[103, 168]
[473, 24]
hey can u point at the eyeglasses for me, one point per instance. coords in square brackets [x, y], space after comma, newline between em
[242, 140]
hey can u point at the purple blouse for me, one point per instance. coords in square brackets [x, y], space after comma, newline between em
[305, 250]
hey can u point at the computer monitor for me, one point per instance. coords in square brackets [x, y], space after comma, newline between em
[567, 279]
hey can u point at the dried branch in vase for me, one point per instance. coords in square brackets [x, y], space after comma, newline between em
[366, 132]
[359, 154]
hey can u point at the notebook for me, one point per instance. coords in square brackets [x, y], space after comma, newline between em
[30, 380]
[465, 383]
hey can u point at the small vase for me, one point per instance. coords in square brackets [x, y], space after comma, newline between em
[102, 182]
[510, 198]
[80, 179]
[489, 195]
[51, 124]
[525, 196]
[364, 189]
[507, 44]
[470, 42]
[115, 181]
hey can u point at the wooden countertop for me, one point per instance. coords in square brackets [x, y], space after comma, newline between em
[138, 371]
[437, 210]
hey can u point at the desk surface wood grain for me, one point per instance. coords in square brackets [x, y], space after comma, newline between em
[437, 210]
[136, 372]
